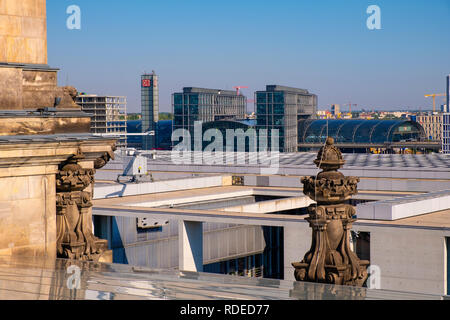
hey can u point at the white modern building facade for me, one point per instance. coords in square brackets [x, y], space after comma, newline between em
[446, 133]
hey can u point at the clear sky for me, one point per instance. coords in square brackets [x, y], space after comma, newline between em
[320, 45]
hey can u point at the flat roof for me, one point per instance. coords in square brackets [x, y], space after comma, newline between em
[304, 160]
[274, 87]
[129, 206]
[206, 90]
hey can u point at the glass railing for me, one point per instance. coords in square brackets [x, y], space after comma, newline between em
[58, 279]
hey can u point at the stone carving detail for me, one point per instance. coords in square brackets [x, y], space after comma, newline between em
[104, 159]
[330, 259]
[68, 97]
[75, 239]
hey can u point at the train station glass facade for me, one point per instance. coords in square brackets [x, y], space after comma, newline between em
[359, 131]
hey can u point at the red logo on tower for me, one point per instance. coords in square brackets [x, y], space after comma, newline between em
[146, 83]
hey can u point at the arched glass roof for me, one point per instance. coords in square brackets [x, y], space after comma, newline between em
[359, 131]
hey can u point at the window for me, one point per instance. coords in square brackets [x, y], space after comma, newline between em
[278, 97]
[278, 108]
[278, 120]
[361, 244]
[178, 109]
[178, 99]
[261, 97]
[261, 108]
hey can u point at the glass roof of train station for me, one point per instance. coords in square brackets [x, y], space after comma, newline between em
[359, 131]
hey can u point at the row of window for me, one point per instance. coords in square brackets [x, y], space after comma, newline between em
[205, 99]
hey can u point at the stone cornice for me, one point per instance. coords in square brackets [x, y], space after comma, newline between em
[52, 150]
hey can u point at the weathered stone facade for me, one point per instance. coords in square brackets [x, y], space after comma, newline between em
[23, 32]
[26, 81]
[47, 155]
[34, 183]
[31, 88]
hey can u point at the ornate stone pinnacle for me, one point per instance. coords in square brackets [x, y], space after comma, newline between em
[75, 239]
[330, 259]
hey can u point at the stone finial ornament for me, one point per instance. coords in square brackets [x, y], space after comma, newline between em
[330, 259]
[75, 239]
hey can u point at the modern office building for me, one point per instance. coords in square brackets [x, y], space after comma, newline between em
[207, 106]
[432, 124]
[281, 108]
[446, 133]
[108, 115]
[149, 108]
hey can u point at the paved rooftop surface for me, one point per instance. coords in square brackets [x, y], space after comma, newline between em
[305, 159]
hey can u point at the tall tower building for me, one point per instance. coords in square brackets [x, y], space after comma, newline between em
[447, 88]
[281, 108]
[150, 109]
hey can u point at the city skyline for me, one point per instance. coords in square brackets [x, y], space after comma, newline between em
[323, 47]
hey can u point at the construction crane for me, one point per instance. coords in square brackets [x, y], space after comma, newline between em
[434, 95]
[239, 88]
[350, 106]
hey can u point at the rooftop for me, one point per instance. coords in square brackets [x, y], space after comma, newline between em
[284, 88]
[205, 90]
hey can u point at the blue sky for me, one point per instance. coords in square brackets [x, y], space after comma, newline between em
[323, 46]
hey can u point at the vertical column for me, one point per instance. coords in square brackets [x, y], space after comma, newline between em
[297, 241]
[447, 89]
[190, 246]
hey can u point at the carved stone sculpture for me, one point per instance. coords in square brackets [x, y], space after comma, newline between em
[75, 239]
[330, 259]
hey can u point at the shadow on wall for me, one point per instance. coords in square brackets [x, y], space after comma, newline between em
[273, 257]
[107, 228]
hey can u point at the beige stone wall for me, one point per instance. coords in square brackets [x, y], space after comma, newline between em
[31, 89]
[23, 31]
[28, 215]
[10, 88]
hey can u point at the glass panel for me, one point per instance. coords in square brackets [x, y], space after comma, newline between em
[261, 97]
[262, 121]
[278, 120]
[193, 109]
[278, 97]
[362, 134]
[178, 109]
[278, 108]
[193, 99]
[407, 131]
[178, 98]
[313, 133]
[381, 131]
[261, 109]
[178, 120]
